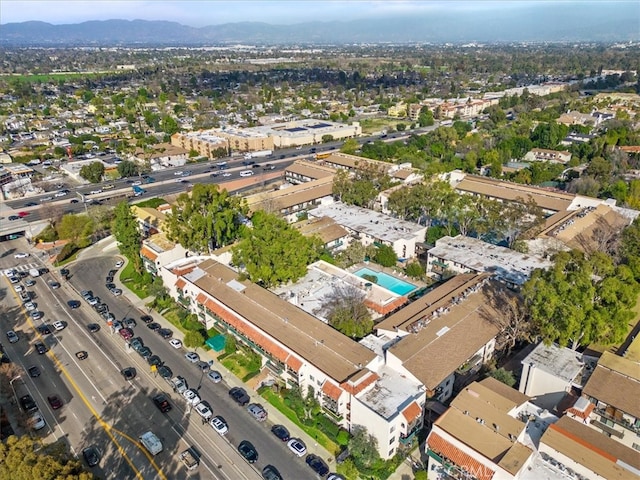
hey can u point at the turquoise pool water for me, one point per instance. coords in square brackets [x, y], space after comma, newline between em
[389, 282]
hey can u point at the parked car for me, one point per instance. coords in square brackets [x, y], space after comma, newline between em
[119, 263]
[297, 446]
[165, 372]
[175, 343]
[257, 411]
[28, 404]
[154, 360]
[165, 333]
[317, 464]
[37, 421]
[248, 451]
[29, 282]
[271, 473]
[219, 425]
[239, 395]
[204, 410]
[146, 318]
[130, 323]
[192, 357]
[154, 326]
[214, 376]
[128, 373]
[59, 326]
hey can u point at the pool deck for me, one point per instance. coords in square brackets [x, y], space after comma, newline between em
[394, 272]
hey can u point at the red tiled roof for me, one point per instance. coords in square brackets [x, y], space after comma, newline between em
[294, 363]
[582, 413]
[182, 271]
[412, 412]
[331, 390]
[252, 334]
[148, 253]
[201, 298]
[357, 388]
[461, 459]
[180, 283]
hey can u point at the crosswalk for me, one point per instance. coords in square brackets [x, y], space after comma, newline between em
[25, 267]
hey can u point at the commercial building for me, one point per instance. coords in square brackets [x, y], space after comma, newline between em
[374, 228]
[307, 131]
[205, 142]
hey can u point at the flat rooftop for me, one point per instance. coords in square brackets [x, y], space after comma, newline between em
[509, 265]
[560, 362]
[324, 228]
[301, 128]
[391, 393]
[375, 224]
[309, 293]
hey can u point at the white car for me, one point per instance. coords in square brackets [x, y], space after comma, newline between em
[204, 411]
[119, 263]
[95, 192]
[193, 357]
[191, 396]
[59, 325]
[137, 183]
[297, 446]
[18, 288]
[21, 255]
[178, 173]
[226, 174]
[31, 306]
[175, 343]
[37, 421]
[60, 194]
[116, 292]
[219, 425]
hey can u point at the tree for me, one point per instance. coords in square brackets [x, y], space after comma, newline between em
[127, 168]
[426, 117]
[503, 376]
[21, 458]
[363, 447]
[193, 339]
[385, 256]
[511, 318]
[93, 172]
[273, 252]
[350, 146]
[348, 470]
[581, 300]
[206, 219]
[346, 311]
[74, 227]
[415, 269]
[125, 229]
[327, 138]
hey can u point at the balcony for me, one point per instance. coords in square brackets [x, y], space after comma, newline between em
[634, 427]
[333, 416]
[606, 428]
[184, 301]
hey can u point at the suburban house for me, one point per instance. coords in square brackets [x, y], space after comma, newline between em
[462, 254]
[545, 155]
[374, 228]
[351, 382]
[431, 339]
[292, 202]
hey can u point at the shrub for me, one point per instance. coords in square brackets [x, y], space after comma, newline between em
[342, 438]
[66, 251]
[49, 234]
[230, 344]
[370, 278]
[414, 270]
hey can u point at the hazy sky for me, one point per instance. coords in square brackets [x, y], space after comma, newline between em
[206, 12]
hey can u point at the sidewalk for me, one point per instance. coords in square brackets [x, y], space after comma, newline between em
[232, 381]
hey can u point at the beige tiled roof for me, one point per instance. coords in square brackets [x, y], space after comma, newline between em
[505, 391]
[310, 170]
[616, 382]
[325, 228]
[291, 196]
[544, 198]
[447, 341]
[591, 449]
[319, 344]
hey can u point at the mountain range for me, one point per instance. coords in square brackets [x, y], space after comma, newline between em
[565, 25]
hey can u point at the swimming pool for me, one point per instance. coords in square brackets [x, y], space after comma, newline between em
[389, 282]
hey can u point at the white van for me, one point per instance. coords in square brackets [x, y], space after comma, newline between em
[246, 173]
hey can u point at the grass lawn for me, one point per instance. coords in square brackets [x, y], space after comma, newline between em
[240, 365]
[50, 77]
[374, 125]
[275, 400]
[133, 281]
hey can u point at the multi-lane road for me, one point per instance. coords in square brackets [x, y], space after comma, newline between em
[101, 408]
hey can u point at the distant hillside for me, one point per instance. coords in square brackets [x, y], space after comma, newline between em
[565, 24]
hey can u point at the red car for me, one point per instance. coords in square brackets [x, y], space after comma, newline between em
[55, 402]
[126, 333]
[23, 214]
